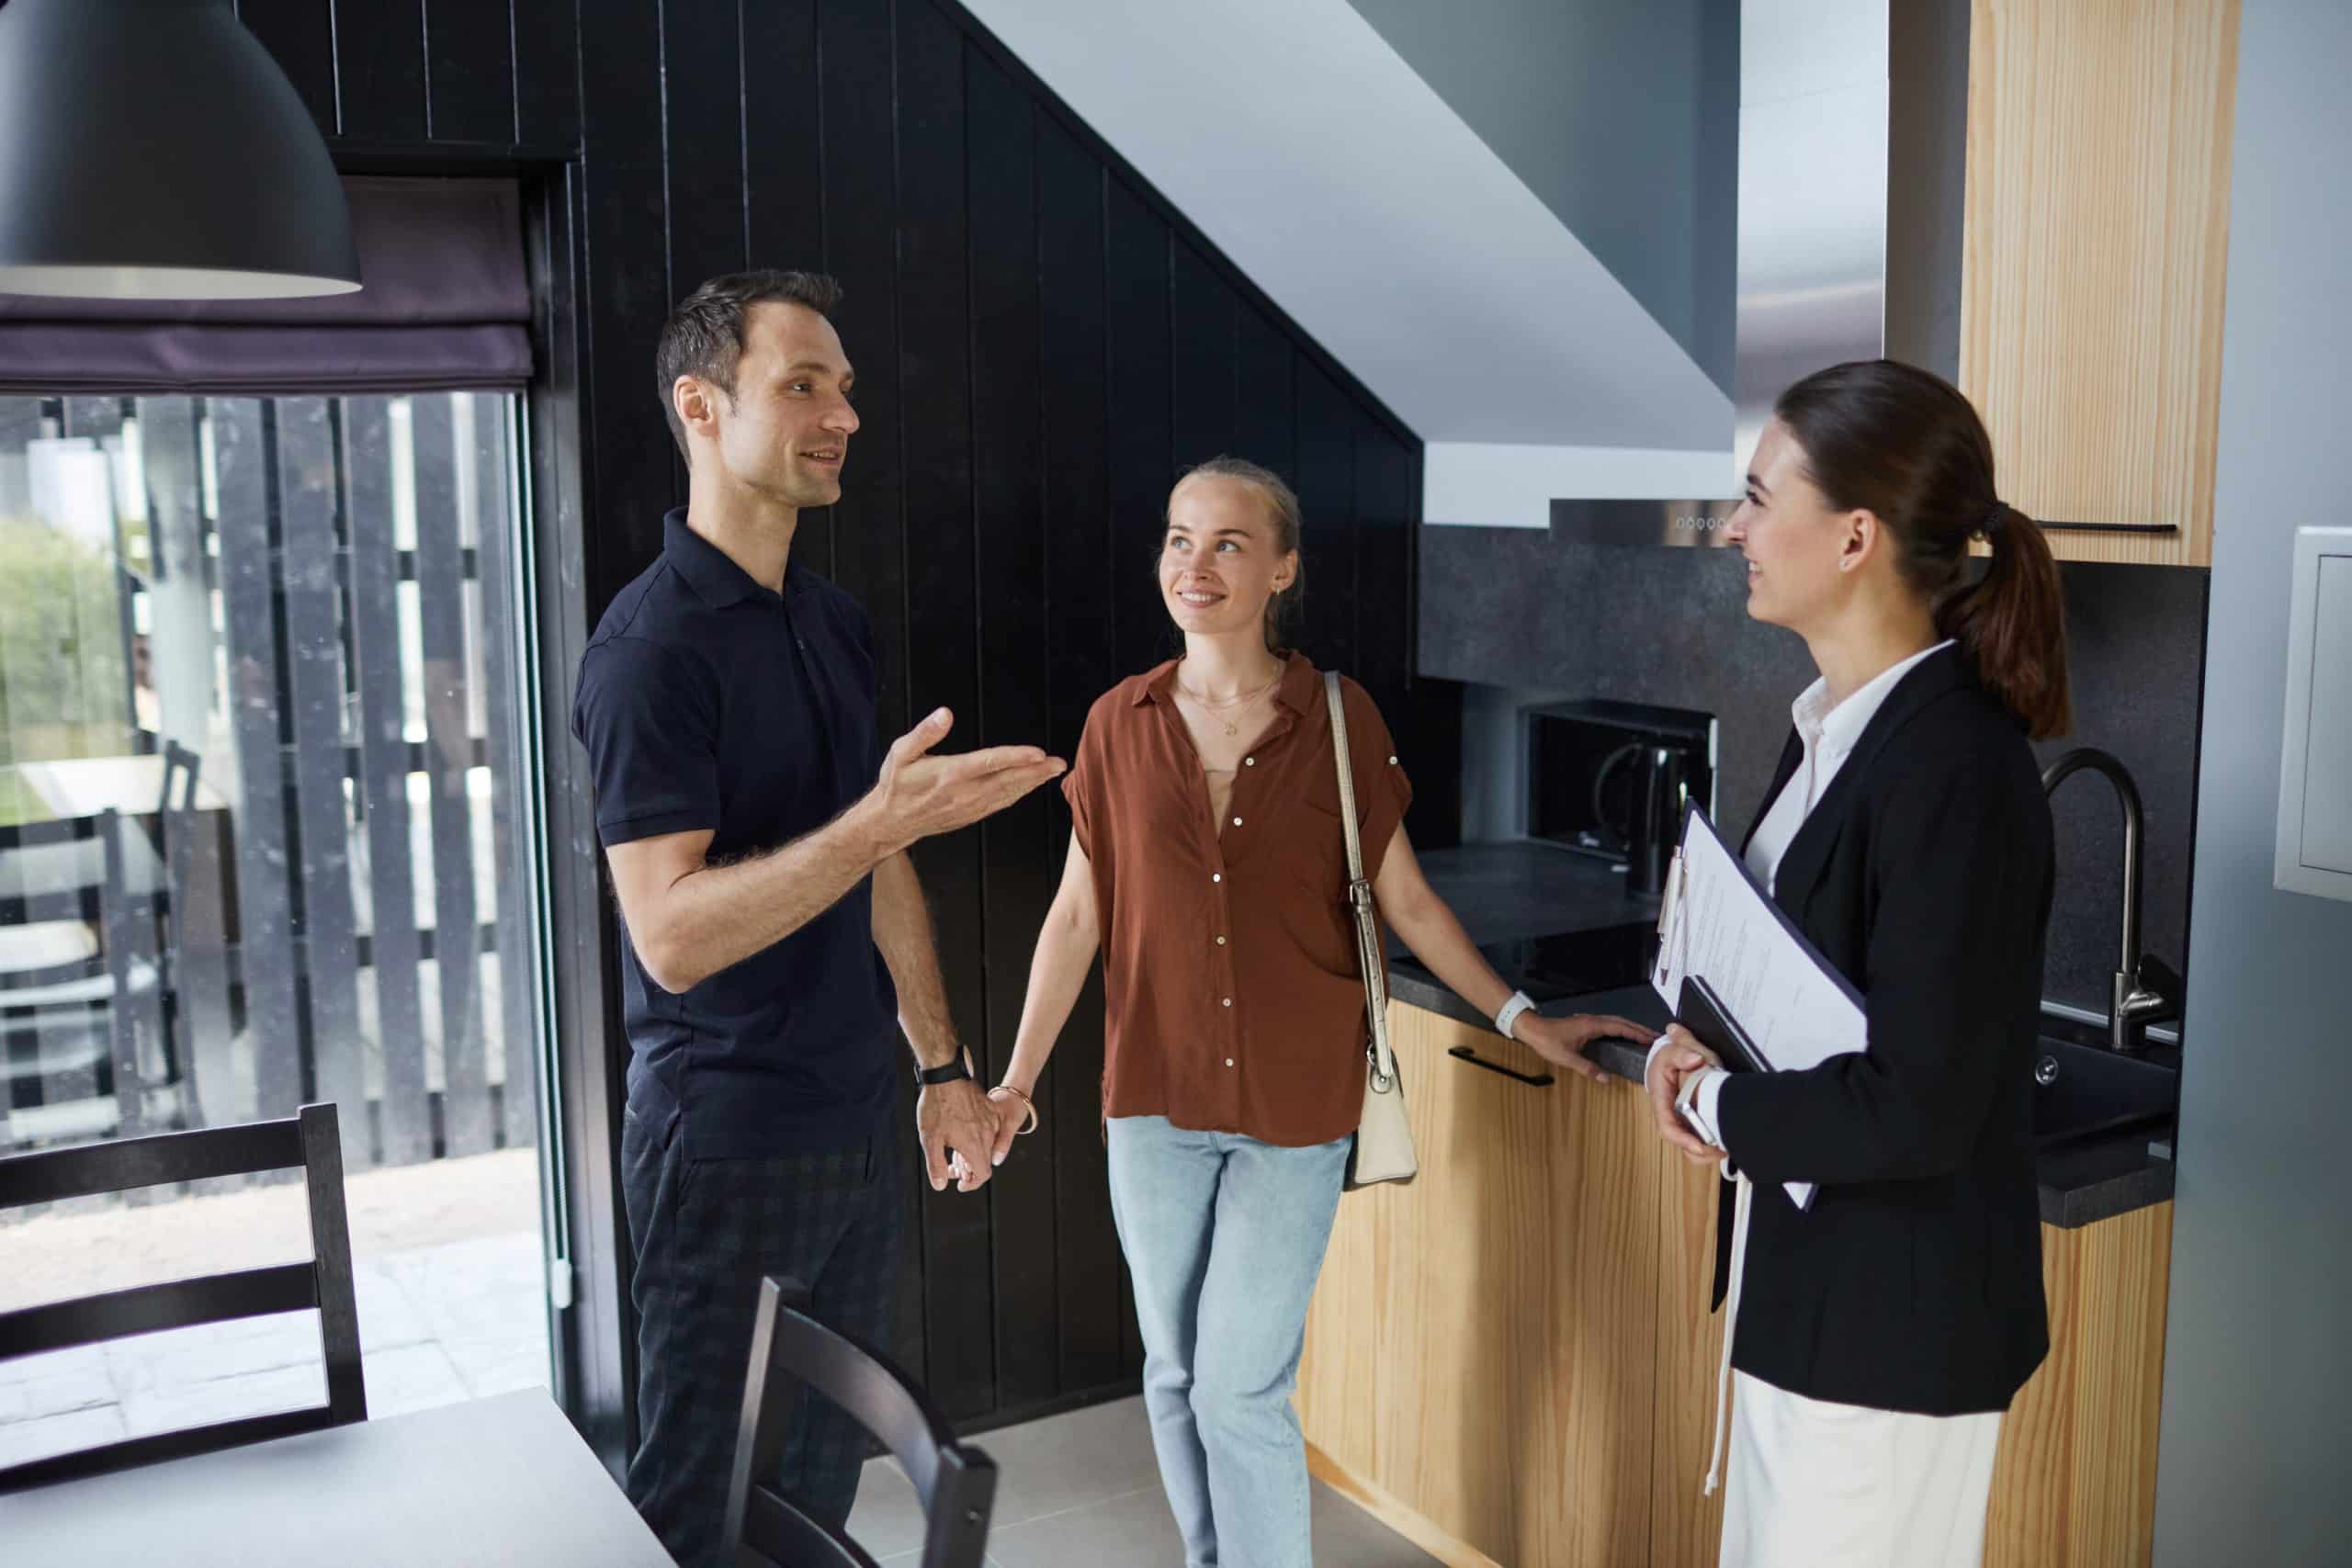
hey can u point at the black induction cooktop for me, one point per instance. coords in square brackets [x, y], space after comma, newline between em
[1576, 964]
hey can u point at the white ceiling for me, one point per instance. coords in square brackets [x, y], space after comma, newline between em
[1340, 183]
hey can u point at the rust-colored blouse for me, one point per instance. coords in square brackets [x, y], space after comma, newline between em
[1229, 963]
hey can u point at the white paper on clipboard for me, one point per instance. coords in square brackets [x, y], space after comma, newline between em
[1718, 923]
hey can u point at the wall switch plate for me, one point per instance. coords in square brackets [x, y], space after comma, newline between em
[2314, 843]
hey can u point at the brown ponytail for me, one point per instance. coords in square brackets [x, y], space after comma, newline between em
[2013, 619]
[1904, 446]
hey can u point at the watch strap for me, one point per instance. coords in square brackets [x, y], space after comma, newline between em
[1520, 1002]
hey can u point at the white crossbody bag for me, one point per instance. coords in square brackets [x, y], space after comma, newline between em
[1383, 1145]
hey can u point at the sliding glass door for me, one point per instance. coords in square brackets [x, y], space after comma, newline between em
[269, 834]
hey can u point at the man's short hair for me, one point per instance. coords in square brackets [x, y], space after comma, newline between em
[704, 336]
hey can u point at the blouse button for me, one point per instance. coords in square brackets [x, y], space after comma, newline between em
[1220, 942]
[1252, 761]
[1228, 1061]
[1237, 821]
[1228, 1002]
[1392, 762]
[1216, 877]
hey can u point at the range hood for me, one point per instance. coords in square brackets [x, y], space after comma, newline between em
[1853, 121]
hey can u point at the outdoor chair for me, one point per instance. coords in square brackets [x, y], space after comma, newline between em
[78, 970]
[90, 922]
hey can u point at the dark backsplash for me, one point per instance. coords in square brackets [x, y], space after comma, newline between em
[2135, 645]
[1524, 610]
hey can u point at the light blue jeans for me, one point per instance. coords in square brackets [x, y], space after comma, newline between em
[1225, 1236]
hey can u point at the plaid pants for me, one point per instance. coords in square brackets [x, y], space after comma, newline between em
[705, 1233]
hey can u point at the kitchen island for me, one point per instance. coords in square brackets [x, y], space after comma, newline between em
[1511, 1360]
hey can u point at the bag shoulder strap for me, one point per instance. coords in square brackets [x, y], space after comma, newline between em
[1347, 776]
[1360, 900]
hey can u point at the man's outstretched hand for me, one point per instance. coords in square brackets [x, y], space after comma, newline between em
[918, 794]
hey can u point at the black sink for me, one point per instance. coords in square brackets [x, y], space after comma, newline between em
[2082, 1090]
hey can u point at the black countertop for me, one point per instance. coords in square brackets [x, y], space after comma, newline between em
[1507, 892]
[1506, 895]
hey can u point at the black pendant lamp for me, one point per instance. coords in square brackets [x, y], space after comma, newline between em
[153, 150]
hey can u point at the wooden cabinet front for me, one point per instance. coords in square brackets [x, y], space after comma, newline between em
[1480, 1343]
[2096, 241]
[1686, 1524]
[1513, 1360]
[2075, 1482]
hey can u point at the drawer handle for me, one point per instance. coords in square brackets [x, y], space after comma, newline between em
[1533, 1080]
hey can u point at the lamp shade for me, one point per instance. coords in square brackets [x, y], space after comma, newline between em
[151, 149]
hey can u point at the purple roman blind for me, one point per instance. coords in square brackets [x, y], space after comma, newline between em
[445, 303]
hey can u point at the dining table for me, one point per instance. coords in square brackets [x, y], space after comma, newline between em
[504, 1480]
[48, 878]
[82, 786]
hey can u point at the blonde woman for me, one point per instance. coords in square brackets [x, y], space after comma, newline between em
[1207, 865]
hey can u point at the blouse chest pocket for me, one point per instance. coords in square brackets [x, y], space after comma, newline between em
[1311, 881]
[1314, 841]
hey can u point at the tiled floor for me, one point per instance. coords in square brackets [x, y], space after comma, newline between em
[1082, 1491]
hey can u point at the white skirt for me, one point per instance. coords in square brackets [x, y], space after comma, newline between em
[1818, 1486]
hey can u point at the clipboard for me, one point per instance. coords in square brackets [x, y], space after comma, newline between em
[1702, 1012]
[1678, 881]
[1739, 974]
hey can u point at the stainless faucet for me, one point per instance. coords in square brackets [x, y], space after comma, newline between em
[2146, 989]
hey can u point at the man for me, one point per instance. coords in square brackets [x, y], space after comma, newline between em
[772, 927]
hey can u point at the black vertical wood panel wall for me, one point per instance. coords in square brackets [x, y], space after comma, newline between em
[1042, 344]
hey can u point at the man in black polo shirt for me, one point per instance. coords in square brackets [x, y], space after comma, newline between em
[775, 938]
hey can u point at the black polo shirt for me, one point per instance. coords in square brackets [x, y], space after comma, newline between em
[706, 700]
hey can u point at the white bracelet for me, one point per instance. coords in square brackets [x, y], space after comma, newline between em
[1519, 1002]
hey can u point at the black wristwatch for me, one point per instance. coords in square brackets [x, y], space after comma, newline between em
[948, 1074]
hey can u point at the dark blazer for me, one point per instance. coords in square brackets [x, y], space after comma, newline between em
[1924, 874]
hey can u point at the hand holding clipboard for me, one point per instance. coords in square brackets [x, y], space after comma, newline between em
[1740, 976]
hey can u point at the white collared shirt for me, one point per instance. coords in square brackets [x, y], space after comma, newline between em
[1829, 735]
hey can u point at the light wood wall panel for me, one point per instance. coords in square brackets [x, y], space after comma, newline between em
[2096, 242]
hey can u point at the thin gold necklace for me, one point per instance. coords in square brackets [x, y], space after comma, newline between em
[1232, 726]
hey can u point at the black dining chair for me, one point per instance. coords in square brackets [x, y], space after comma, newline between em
[307, 1141]
[790, 1351]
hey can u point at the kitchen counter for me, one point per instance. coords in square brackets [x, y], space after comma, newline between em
[1505, 893]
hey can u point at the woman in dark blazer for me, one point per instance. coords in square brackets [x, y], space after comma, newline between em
[1879, 1335]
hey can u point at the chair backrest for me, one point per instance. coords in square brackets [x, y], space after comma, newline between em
[69, 868]
[182, 766]
[307, 1141]
[175, 821]
[790, 1351]
[175, 812]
